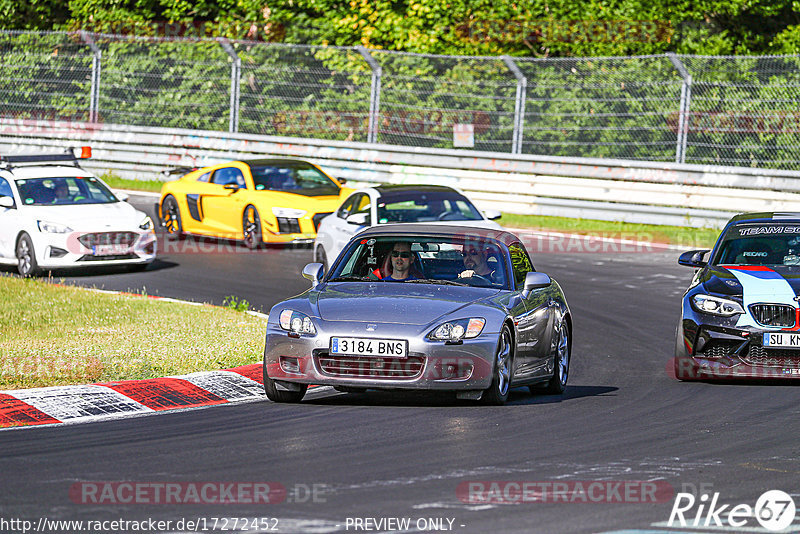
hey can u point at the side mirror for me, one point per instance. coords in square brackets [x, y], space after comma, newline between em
[361, 219]
[535, 280]
[313, 272]
[231, 187]
[7, 202]
[342, 181]
[693, 258]
[123, 197]
[492, 215]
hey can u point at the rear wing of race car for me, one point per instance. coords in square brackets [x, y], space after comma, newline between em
[68, 155]
[169, 173]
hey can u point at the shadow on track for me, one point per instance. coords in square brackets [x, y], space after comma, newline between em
[96, 270]
[518, 397]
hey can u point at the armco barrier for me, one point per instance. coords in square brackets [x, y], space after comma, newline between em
[620, 190]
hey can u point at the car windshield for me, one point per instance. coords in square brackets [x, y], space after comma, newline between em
[294, 177]
[764, 244]
[64, 190]
[452, 260]
[425, 206]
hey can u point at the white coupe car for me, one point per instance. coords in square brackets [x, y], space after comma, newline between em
[391, 204]
[54, 215]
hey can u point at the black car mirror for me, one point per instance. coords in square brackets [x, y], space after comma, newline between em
[231, 187]
[693, 258]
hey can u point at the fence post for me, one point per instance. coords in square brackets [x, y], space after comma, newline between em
[94, 91]
[236, 68]
[683, 117]
[519, 105]
[374, 94]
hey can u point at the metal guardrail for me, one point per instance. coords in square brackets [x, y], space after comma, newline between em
[619, 190]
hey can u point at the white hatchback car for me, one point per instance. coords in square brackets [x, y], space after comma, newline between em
[54, 214]
[391, 204]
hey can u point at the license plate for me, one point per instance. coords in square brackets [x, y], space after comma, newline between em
[110, 250]
[358, 346]
[781, 340]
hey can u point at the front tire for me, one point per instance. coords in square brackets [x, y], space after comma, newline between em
[171, 218]
[497, 394]
[251, 228]
[276, 395]
[26, 257]
[558, 382]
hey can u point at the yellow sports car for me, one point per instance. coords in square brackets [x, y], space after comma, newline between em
[258, 201]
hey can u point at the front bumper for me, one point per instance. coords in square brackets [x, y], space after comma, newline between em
[290, 230]
[54, 251]
[429, 365]
[710, 348]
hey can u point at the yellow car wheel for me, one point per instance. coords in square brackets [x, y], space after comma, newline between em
[171, 218]
[251, 228]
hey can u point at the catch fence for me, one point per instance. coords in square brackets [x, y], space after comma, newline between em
[728, 111]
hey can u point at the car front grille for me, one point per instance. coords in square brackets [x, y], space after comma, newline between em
[773, 314]
[288, 226]
[376, 368]
[318, 219]
[108, 238]
[761, 357]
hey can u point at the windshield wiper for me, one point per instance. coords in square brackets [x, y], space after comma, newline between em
[350, 279]
[433, 281]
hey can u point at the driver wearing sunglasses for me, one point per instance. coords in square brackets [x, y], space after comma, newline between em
[401, 261]
[475, 262]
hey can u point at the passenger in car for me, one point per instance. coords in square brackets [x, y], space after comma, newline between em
[398, 265]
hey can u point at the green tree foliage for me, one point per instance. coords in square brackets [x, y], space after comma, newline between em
[539, 28]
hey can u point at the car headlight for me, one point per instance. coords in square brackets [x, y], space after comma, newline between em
[53, 228]
[458, 330]
[289, 213]
[146, 224]
[297, 323]
[716, 305]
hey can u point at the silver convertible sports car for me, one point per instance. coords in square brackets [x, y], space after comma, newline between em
[417, 307]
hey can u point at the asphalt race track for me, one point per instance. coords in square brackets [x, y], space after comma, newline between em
[349, 462]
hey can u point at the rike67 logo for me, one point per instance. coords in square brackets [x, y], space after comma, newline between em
[774, 510]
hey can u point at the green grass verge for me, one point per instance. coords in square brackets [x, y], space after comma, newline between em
[56, 335]
[675, 235]
[134, 185]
